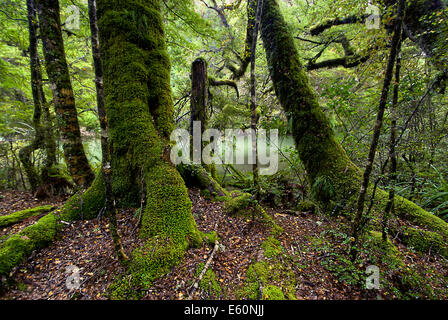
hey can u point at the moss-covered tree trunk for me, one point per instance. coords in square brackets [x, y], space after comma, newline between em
[200, 174]
[63, 98]
[325, 161]
[139, 110]
[199, 93]
[320, 152]
[110, 207]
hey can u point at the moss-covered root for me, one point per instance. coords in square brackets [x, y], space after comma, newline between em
[19, 246]
[425, 241]
[209, 282]
[411, 212]
[16, 217]
[87, 205]
[244, 204]
[270, 278]
[199, 176]
[167, 225]
[406, 282]
[39, 235]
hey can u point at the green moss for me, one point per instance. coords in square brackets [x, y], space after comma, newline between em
[210, 238]
[18, 216]
[306, 206]
[272, 292]
[167, 225]
[155, 259]
[206, 194]
[413, 213]
[139, 110]
[271, 276]
[39, 235]
[18, 246]
[425, 241]
[271, 247]
[408, 283]
[87, 205]
[386, 250]
[322, 156]
[209, 282]
[240, 205]
[125, 288]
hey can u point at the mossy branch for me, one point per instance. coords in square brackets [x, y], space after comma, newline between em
[16, 217]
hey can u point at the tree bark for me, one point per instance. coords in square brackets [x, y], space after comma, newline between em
[110, 208]
[199, 94]
[253, 94]
[200, 174]
[392, 150]
[64, 101]
[38, 140]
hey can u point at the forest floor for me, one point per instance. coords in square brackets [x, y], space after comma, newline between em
[88, 246]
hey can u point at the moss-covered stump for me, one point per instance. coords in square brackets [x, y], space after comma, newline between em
[270, 278]
[241, 204]
[16, 217]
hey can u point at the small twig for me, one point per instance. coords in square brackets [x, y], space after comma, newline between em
[207, 264]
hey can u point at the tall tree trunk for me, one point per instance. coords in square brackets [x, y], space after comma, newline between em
[110, 207]
[139, 111]
[199, 94]
[64, 101]
[323, 157]
[392, 150]
[200, 174]
[357, 224]
[253, 95]
[319, 151]
[38, 140]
